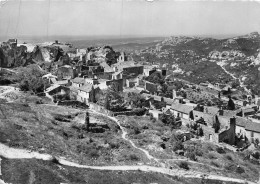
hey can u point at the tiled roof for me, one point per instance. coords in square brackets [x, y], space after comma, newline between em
[125, 64]
[211, 110]
[255, 127]
[182, 108]
[117, 73]
[62, 82]
[87, 88]
[242, 121]
[168, 101]
[73, 88]
[49, 89]
[248, 110]
[78, 80]
[106, 67]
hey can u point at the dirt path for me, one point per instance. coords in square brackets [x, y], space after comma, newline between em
[14, 153]
[124, 133]
[221, 64]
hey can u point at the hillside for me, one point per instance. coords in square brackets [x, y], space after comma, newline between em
[198, 59]
[60, 131]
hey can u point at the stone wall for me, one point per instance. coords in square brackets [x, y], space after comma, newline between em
[209, 119]
[100, 109]
[73, 103]
[209, 134]
[228, 136]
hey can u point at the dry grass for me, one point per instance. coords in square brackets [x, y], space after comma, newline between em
[53, 129]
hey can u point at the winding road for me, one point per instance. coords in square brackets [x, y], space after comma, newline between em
[16, 153]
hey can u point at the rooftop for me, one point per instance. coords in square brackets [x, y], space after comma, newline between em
[242, 121]
[78, 80]
[182, 108]
[86, 88]
[55, 86]
[106, 67]
[254, 127]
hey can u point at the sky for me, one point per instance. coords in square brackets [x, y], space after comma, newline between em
[127, 17]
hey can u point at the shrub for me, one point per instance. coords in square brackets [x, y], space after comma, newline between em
[55, 160]
[114, 145]
[191, 156]
[184, 165]
[93, 153]
[229, 157]
[256, 155]
[240, 170]
[230, 167]
[212, 155]
[215, 163]
[134, 157]
[220, 150]
[177, 145]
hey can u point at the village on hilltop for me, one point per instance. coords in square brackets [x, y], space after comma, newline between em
[114, 84]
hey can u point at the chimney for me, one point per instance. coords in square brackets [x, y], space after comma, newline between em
[232, 131]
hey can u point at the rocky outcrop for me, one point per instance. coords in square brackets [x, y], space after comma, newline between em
[3, 58]
[231, 54]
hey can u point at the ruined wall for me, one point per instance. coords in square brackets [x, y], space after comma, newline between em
[209, 119]
[228, 136]
[151, 87]
[209, 134]
[135, 69]
[100, 109]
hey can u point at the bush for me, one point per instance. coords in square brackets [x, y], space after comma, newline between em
[134, 157]
[256, 155]
[220, 150]
[230, 167]
[212, 155]
[93, 153]
[240, 170]
[191, 156]
[229, 157]
[114, 145]
[184, 165]
[177, 145]
[55, 160]
[215, 163]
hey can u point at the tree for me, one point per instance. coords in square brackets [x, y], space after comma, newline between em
[87, 123]
[30, 79]
[256, 141]
[231, 104]
[235, 84]
[135, 100]
[113, 100]
[169, 119]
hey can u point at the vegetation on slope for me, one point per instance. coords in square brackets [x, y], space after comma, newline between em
[60, 131]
